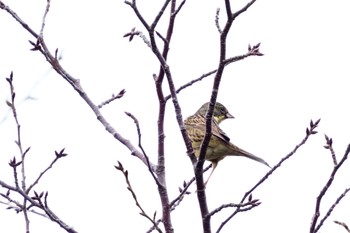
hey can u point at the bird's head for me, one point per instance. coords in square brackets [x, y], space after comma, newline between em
[220, 112]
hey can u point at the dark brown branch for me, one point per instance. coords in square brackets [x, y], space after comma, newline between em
[330, 210]
[217, 80]
[162, 38]
[179, 8]
[14, 164]
[343, 225]
[164, 70]
[329, 146]
[313, 227]
[243, 9]
[42, 173]
[183, 191]
[228, 9]
[132, 4]
[160, 14]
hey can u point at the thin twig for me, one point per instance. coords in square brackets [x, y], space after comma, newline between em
[217, 19]
[143, 213]
[114, 97]
[21, 151]
[179, 8]
[191, 83]
[311, 130]
[42, 174]
[313, 227]
[343, 225]
[49, 213]
[250, 204]
[329, 146]
[41, 46]
[18, 207]
[133, 33]
[150, 168]
[330, 210]
[253, 51]
[44, 18]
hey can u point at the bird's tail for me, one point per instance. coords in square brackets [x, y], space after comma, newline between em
[241, 152]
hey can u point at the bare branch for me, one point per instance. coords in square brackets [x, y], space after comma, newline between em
[133, 33]
[228, 9]
[114, 97]
[248, 205]
[343, 225]
[49, 213]
[42, 173]
[217, 18]
[313, 227]
[17, 207]
[150, 168]
[329, 146]
[143, 213]
[18, 19]
[191, 83]
[164, 71]
[132, 4]
[309, 132]
[215, 89]
[183, 191]
[330, 210]
[21, 151]
[251, 52]
[44, 18]
[243, 9]
[40, 45]
[179, 8]
[162, 38]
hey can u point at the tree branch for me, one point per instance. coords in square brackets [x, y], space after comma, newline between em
[313, 227]
[311, 130]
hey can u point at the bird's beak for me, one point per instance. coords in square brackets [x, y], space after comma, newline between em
[228, 115]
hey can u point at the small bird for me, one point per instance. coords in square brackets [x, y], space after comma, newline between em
[219, 145]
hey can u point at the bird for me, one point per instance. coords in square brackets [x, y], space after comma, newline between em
[219, 144]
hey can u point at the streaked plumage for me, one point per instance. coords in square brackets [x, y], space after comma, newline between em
[219, 145]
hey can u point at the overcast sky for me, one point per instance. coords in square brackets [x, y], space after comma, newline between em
[304, 75]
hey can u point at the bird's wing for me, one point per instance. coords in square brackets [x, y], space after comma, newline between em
[198, 123]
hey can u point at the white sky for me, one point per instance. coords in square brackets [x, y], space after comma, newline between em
[304, 75]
